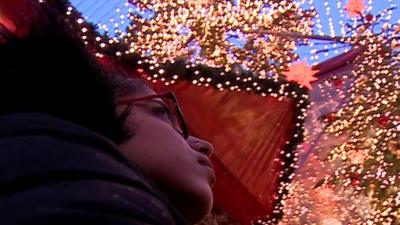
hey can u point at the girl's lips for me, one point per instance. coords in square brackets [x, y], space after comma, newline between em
[206, 162]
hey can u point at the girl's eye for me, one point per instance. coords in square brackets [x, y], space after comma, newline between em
[163, 113]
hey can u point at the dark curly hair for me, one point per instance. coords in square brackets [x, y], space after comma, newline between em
[51, 71]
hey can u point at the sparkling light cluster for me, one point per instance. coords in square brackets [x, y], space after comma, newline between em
[199, 31]
[352, 169]
[370, 158]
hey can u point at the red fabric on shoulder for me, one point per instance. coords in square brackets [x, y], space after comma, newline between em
[18, 16]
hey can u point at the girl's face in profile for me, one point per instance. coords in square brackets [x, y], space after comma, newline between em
[179, 166]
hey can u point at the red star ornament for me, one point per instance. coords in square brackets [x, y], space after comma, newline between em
[355, 7]
[302, 74]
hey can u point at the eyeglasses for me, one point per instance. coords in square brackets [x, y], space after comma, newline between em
[170, 102]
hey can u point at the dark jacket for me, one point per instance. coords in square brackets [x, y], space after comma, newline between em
[56, 172]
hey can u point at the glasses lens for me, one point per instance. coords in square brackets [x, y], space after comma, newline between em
[175, 117]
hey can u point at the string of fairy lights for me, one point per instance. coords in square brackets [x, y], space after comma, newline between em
[370, 120]
[258, 46]
[360, 183]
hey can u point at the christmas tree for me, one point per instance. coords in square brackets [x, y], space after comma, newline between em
[351, 168]
[368, 162]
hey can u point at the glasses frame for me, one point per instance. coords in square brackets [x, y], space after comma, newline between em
[128, 101]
